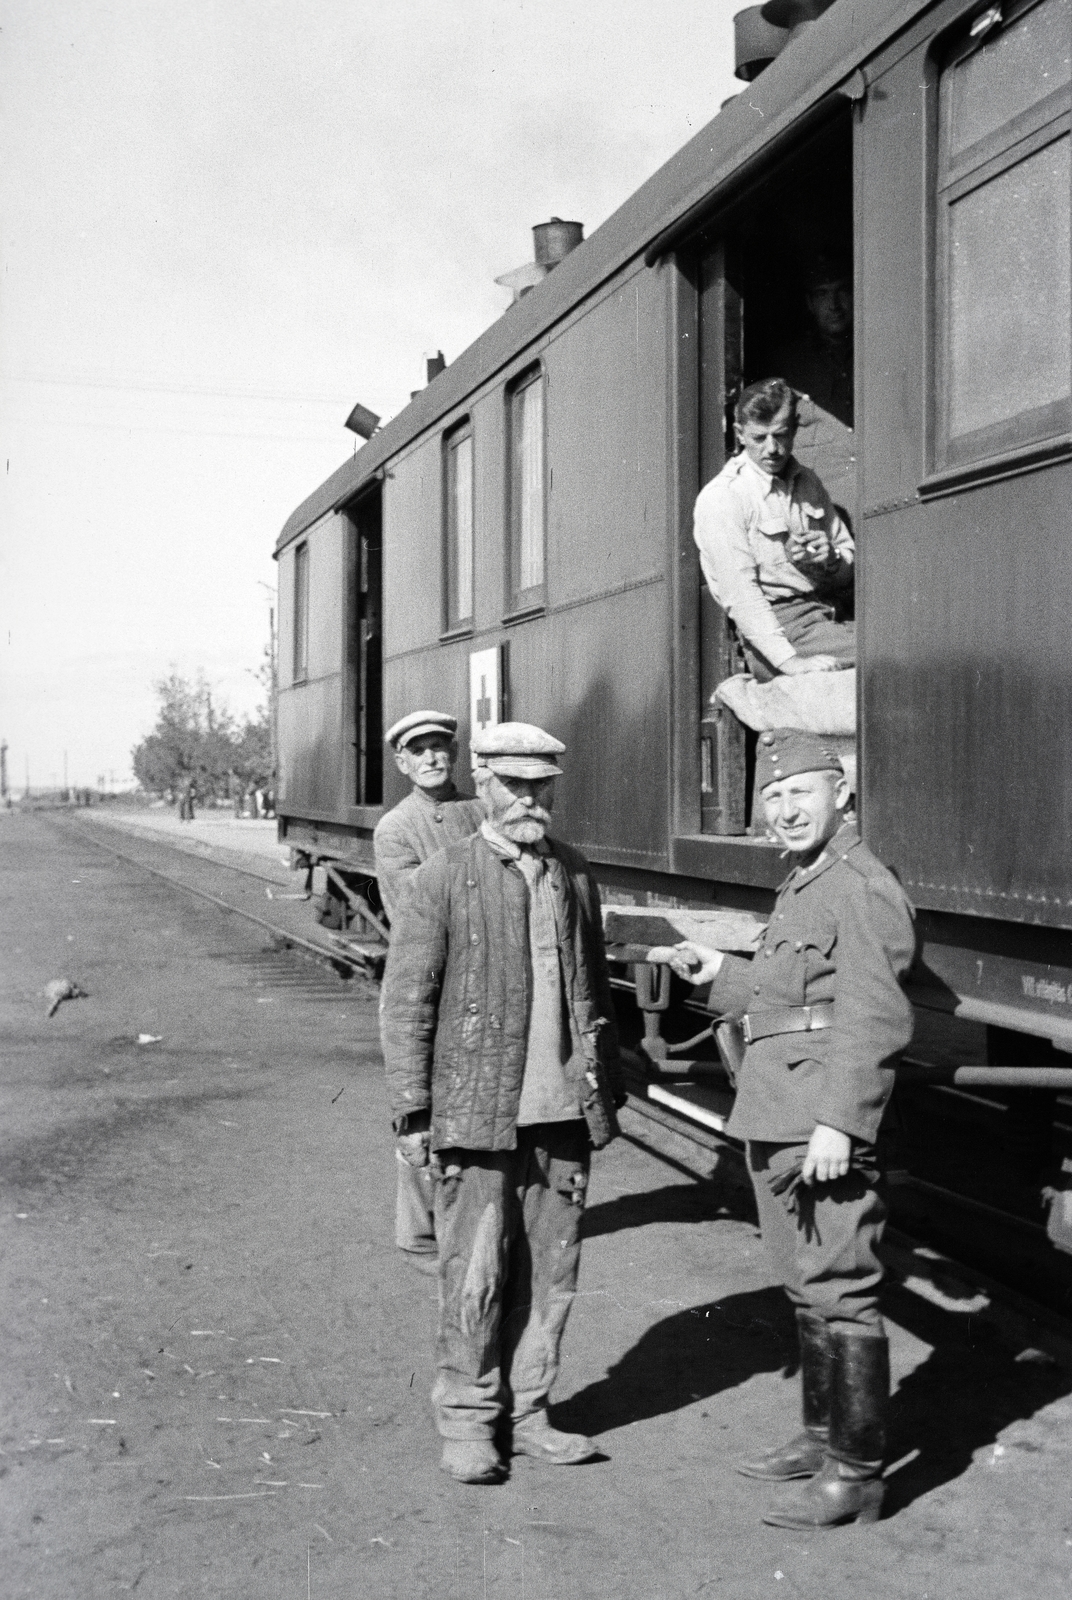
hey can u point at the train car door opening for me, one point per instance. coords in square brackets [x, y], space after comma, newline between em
[368, 648]
[776, 298]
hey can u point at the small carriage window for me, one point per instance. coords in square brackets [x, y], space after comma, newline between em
[992, 84]
[1004, 289]
[458, 527]
[527, 494]
[301, 612]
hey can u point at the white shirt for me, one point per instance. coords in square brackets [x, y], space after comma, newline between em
[742, 524]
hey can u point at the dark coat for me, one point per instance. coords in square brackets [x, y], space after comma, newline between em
[841, 931]
[457, 991]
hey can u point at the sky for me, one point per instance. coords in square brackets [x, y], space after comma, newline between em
[221, 224]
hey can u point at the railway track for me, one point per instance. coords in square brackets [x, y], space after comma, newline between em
[344, 955]
[671, 1128]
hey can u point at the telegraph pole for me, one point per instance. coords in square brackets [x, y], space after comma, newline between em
[3, 769]
[273, 686]
[272, 731]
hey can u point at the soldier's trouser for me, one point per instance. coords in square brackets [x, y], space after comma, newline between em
[415, 1209]
[509, 1229]
[824, 1248]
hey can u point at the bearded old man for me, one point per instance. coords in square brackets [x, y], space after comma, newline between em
[503, 1074]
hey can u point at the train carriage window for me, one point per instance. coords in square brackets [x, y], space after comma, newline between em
[527, 492]
[366, 648]
[301, 613]
[1004, 344]
[458, 527]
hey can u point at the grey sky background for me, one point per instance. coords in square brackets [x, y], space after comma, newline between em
[225, 221]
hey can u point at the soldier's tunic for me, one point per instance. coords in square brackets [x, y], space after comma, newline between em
[840, 939]
[406, 836]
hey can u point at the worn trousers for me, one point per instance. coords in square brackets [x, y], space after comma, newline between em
[823, 1238]
[814, 627]
[415, 1209]
[509, 1230]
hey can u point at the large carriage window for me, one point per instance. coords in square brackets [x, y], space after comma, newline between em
[527, 493]
[301, 613]
[458, 527]
[1004, 291]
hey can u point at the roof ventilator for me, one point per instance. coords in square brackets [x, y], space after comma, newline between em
[760, 33]
[552, 242]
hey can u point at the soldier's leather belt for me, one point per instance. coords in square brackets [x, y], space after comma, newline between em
[786, 1019]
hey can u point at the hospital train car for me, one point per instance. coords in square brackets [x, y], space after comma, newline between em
[518, 542]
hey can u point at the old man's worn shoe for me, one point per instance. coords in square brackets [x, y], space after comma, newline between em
[472, 1460]
[534, 1436]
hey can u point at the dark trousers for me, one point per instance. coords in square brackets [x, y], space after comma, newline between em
[822, 1239]
[509, 1230]
[814, 627]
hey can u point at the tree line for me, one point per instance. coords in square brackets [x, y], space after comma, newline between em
[197, 741]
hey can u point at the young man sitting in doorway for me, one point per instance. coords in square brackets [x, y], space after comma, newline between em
[776, 554]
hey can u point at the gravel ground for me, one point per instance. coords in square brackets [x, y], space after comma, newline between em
[216, 1367]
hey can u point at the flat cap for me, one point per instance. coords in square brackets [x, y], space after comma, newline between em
[415, 722]
[517, 750]
[783, 752]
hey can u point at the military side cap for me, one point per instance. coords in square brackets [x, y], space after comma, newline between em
[783, 752]
[416, 722]
[517, 750]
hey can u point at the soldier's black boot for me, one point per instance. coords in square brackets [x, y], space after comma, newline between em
[849, 1488]
[803, 1455]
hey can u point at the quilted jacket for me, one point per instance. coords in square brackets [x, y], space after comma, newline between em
[457, 990]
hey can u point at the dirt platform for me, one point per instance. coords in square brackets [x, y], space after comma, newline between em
[216, 1368]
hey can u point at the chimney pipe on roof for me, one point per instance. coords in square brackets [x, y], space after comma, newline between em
[362, 421]
[554, 240]
[434, 365]
[794, 15]
[756, 42]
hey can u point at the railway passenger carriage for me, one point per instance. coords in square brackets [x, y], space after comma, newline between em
[518, 540]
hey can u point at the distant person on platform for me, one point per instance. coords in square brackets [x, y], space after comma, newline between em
[503, 1071]
[186, 801]
[431, 816]
[775, 553]
[819, 363]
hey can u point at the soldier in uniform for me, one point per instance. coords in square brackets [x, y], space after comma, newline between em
[502, 1069]
[431, 816]
[824, 1017]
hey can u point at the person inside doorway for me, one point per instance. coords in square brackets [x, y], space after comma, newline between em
[775, 552]
[819, 362]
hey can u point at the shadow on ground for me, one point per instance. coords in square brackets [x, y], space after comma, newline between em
[968, 1391]
[699, 1201]
[688, 1357]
